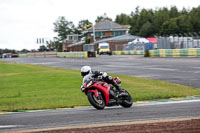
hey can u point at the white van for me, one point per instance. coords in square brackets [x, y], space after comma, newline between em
[104, 48]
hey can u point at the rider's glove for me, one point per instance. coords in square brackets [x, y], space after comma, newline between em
[104, 74]
[82, 88]
[97, 73]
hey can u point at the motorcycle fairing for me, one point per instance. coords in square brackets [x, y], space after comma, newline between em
[95, 92]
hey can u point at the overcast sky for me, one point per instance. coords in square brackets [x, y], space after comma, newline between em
[22, 21]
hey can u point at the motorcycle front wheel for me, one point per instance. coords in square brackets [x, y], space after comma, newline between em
[127, 101]
[97, 102]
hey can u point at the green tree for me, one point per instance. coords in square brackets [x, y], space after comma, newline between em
[160, 16]
[173, 12]
[184, 24]
[49, 46]
[1, 51]
[134, 30]
[99, 18]
[145, 15]
[141, 19]
[184, 11]
[83, 23]
[42, 48]
[63, 28]
[169, 27]
[144, 20]
[8, 51]
[58, 46]
[195, 19]
[177, 25]
[147, 30]
[122, 19]
[24, 51]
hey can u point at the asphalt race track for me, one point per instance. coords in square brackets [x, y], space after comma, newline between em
[184, 71]
[87, 116]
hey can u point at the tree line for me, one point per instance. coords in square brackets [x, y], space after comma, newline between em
[13, 51]
[144, 22]
[162, 21]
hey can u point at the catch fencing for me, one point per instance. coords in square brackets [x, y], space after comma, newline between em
[178, 42]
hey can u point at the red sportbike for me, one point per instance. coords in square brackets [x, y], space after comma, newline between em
[101, 94]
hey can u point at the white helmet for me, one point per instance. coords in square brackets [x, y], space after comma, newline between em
[85, 70]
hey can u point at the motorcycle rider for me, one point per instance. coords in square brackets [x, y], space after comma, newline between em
[87, 71]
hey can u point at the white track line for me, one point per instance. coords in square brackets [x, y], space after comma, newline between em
[169, 102]
[8, 126]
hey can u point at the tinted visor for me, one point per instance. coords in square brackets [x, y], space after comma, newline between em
[84, 73]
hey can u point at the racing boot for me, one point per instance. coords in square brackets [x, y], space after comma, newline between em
[121, 91]
[118, 88]
[110, 80]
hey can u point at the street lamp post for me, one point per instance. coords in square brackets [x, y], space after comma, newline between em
[93, 28]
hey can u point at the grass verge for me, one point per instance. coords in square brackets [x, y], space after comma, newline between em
[29, 87]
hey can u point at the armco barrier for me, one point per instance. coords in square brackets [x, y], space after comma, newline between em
[137, 52]
[42, 54]
[72, 54]
[192, 52]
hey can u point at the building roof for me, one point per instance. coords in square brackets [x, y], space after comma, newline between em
[126, 37]
[152, 39]
[76, 44]
[107, 25]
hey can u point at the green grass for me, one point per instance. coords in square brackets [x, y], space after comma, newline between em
[26, 87]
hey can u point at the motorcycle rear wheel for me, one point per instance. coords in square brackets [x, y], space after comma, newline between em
[97, 102]
[127, 101]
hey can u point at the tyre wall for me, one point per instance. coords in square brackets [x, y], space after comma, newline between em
[192, 52]
[137, 52]
[175, 53]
